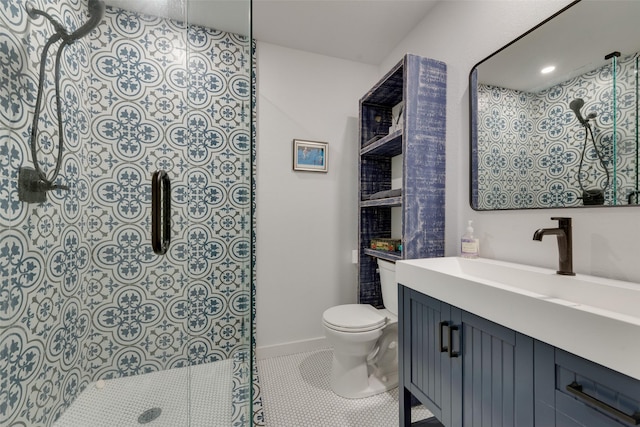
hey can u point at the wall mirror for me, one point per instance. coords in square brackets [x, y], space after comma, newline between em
[567, 137]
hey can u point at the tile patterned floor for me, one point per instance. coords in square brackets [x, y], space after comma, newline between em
[296, 393]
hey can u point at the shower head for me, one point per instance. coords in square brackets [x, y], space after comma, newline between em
[576, 105]
[96, 12]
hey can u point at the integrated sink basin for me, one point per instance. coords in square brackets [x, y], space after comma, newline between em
[593, 317]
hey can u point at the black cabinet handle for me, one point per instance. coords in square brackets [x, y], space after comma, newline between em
[576, 389]
[443, 349]
[160, 212]
[451, 352]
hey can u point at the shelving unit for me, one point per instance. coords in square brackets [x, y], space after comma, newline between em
[421, 84]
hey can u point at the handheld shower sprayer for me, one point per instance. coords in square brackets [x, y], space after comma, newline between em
[576, 105]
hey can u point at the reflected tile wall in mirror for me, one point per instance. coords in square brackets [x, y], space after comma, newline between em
[530, 144]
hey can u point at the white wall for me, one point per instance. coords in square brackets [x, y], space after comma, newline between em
[462, 33]
[306, 221]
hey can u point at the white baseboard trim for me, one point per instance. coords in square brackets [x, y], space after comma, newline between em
[268, 351]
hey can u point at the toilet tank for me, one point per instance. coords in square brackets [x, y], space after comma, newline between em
[388, 285]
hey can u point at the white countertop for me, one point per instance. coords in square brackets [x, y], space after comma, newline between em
[595, 318]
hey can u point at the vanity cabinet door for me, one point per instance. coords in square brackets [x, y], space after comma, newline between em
[497, 377]
[468, 371]
[426, 363]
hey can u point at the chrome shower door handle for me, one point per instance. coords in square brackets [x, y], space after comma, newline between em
[160, 212]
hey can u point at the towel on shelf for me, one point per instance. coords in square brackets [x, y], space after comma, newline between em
[384, 194]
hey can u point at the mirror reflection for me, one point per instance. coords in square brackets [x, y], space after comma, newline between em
[554, 114]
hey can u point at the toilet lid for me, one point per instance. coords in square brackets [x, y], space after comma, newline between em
[353, 318]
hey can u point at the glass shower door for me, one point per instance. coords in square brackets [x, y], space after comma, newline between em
[625, 128]
[95, 328]
[216, 197]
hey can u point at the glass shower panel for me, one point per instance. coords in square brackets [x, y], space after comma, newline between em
[626, 126]
[139, 346]
[95, 328]
[215, 199]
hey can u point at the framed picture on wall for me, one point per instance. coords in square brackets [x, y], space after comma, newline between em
[310, 156]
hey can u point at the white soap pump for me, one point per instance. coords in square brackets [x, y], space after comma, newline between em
[469, 245]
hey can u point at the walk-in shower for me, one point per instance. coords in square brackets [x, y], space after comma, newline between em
[95, 327]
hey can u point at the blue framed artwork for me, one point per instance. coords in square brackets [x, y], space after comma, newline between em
[310, 156]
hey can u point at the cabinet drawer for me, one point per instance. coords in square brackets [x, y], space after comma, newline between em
[588, 394]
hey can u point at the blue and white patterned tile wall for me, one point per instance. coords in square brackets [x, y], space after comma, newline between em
[82, 296]
[529, 144]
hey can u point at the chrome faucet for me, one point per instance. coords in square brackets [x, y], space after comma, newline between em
[565, 249]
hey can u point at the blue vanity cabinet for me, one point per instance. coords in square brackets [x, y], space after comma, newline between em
[469, 371]
[466, 370]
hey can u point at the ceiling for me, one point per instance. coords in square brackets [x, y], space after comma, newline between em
[359, 30]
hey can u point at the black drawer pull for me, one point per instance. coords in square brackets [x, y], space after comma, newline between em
[443, 349]
[451, 352]
[576, 389]
[160, 212]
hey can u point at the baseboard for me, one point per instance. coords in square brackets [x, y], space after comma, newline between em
[268, 351]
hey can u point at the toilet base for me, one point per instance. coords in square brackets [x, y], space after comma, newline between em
[353, 379]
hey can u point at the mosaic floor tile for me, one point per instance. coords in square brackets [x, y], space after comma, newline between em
[296, 392]
[185, 396]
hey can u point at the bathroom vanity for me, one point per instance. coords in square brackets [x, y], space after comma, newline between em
[487, 343]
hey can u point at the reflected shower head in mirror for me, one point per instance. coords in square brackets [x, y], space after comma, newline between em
[589, 196]
[576, 105]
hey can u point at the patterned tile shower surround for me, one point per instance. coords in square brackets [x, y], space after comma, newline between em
[529, 144]
[82, 296]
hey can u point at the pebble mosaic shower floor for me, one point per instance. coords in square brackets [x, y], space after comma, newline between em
[121, 401]
[296, 392]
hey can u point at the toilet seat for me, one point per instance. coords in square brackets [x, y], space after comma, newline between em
[353, 318]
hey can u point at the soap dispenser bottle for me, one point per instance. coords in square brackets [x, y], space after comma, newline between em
[469, 245]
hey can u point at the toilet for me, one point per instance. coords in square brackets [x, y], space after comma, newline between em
[364, 340]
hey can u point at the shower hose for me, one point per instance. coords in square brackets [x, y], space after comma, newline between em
[96, 11]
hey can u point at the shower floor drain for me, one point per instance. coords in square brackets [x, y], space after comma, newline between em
[149, 415]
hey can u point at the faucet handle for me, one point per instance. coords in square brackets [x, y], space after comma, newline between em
[562, 221]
